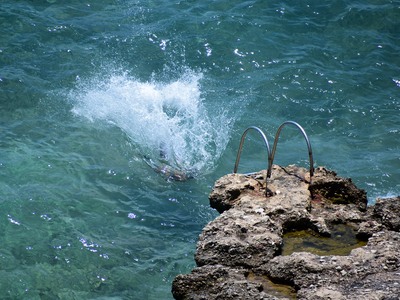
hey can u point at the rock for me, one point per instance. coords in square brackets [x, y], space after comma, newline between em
[300, 242]
[387, 211]
[219, 282]
[228, 188]
[237, 238]
[337, 190]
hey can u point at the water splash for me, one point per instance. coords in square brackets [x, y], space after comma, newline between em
[166, 121]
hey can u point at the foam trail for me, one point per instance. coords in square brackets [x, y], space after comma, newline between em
[167, 121]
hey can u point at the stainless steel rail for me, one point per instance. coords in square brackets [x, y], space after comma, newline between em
[241, 146]
[271, 154]
[305, 137]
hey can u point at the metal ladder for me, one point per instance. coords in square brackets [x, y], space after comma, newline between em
[271, 154]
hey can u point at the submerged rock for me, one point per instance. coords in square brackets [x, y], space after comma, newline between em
[306, 240]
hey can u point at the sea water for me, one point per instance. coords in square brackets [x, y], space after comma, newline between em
[97, 97]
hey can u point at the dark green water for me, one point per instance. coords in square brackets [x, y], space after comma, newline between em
[342, 240]
[92, 92]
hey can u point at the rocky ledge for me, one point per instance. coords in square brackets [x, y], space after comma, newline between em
[306, 240]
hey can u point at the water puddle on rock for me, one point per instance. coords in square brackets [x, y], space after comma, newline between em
[274, 289]
[342, 240]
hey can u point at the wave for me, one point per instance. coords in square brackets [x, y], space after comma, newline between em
[167, 121]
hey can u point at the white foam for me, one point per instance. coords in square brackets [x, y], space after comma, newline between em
[167, 121]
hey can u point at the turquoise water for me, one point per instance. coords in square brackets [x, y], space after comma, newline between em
[98, 96]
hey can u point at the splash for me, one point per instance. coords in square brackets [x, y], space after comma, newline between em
[166, 121]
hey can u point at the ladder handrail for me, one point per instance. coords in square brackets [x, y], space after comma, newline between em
[271, 154]
[276, 142]
[241, 146]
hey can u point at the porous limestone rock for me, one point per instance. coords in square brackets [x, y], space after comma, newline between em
[241, 254]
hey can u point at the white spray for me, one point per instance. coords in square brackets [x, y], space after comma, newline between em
[167, 121]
